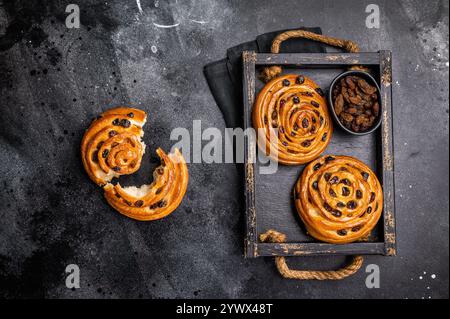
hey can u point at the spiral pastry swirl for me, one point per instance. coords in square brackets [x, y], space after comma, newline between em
[339, 199]
[294, 107]
[157, 200]
[112, 145]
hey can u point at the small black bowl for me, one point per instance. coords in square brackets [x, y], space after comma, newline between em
[366, 76]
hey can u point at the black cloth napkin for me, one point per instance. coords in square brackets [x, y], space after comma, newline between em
[224, 77]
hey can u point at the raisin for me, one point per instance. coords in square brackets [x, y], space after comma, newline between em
[356, 228]
[162, 203]
[305, 123]
[334, 180]
[282, 101]
[356, 100]
[339, 104]
[158, 191]
[372, 197]
[358, 194]
[319, 91]
[295, 127]
[360, 119]
[116, 168]
[376, 108]
[351, 204]
[139, 203]
[95, 156]
[284, 143]
[342, 232]
[112, 133]
[369, 210]
[346, 117]
[274, 114]
[336, 213]
[366, 87]
[296, 100]
[329, 159]
[300, 80]
[286, 82]
[365, 175]
[350, 83]
[128, 202]
[315, 185]
[324, 137]
[116, 122]
[131, 114]
[345, 191]
[313, 129]
[332, 192]
[315, 104]
[327, 207]
[317, 166]
[351, 110]
[340, 205]
[105, 153]
[327, 176]
[345, 181]
[306, 143]
[125, 123]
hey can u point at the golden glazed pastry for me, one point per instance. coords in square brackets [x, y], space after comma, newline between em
[295, 106]
[157, 200]
[112, 146]
[339, 199]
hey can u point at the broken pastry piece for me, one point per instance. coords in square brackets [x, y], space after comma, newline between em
[113, 146]
[157, 200]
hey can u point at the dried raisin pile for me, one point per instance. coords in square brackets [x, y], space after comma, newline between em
[356, 103]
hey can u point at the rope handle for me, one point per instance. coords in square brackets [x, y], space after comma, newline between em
[273, 236]
[270, 72]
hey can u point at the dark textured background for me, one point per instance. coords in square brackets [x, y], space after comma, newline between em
[54, 80]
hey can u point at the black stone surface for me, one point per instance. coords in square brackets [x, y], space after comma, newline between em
[54, 80]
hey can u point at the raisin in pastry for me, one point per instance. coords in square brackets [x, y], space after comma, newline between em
[339, 199]
[292, 114]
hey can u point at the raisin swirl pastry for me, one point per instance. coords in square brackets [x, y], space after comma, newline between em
[157, 200]
[112, 145]
[339, 199]
[295, 106]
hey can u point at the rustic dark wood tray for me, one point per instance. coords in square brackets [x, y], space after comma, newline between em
[269, 202]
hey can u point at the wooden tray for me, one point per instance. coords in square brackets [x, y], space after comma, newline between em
[277, 211]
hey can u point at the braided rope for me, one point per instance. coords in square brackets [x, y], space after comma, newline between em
[269, 73]
[276, 237]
